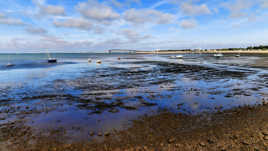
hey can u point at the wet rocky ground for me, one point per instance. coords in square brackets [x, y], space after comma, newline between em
[140, 104]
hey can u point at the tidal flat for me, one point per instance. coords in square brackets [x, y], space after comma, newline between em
[140, 102]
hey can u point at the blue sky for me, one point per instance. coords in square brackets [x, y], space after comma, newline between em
[99, 25]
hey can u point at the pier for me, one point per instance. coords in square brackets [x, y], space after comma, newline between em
[122, 51]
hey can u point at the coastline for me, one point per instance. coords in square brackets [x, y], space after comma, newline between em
[205, 52]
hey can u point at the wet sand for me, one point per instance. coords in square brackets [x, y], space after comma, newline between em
[180, 106]
[244, 128]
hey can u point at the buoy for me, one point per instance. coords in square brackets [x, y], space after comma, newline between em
[99, 61]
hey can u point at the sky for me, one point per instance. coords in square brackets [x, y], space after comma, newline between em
[100, 25]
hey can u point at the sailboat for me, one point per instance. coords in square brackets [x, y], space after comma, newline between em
[218, 55]
[9, 64]
[50, 59]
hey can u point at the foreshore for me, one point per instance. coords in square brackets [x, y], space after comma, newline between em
[142, 103]
[243, 128]
[206, 52]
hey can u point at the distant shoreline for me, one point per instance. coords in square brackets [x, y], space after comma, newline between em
[155, 52]
[206, 52]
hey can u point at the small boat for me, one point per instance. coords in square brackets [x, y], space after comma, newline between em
[98, 61]
[176, 57]
[237, 56]
[179, 56]
[219, 55]
[51, 60]
[9, 64]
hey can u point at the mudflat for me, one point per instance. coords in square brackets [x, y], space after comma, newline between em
[243, 128]
[140, 103]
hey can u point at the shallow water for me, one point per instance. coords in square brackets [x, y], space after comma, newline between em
[78, 97]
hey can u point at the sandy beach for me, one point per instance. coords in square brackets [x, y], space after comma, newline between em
[244, 128]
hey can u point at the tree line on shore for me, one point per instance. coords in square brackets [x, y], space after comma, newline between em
[261, 47]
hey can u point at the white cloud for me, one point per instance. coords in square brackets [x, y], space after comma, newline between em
[45, 9]
[134, 36]
[47, 43]
[116, 3]
[2, 15]
[237, 8]
[188, 24]
[53, 10]
[148, 16]
[78, 23]
[264, 3]
[10, 21]
[194, 10]
[97, 11]
[36, 30]
[123, 24]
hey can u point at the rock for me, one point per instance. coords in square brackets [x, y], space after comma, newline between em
[211, 141]
[138, 149]
[145, 148]
[219, 107]
[228, 96]
[235, 136]
[202, 144]
[171, 140]
[67, 145]
[177, 145]
[148, 103]
[179, 105]
[129, 107]
[246, 142]
[265, 132]
[114, 110]
[107, 134]
[265, 137]
[99, 134]
[256, 149]
[91, 133]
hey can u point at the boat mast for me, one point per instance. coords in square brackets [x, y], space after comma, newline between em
[8, 59]
[48, 54]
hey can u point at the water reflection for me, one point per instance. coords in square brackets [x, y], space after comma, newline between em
[82, 97]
